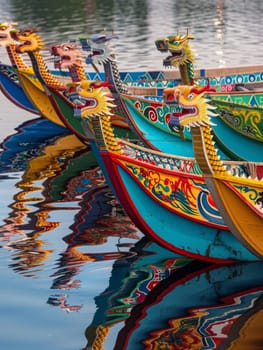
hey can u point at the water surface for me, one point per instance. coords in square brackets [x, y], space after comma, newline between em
[75, 271]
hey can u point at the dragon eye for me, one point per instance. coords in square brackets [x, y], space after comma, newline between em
[176, 42]
[190, 96]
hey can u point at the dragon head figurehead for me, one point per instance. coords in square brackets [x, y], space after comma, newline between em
[99, 48]
[94, 97]
[178, 47]
[7, 31]
[29, 40]
[192, 106]
[67, 55]
[99, 103]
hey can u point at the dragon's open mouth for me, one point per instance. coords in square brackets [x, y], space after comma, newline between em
[187, 111]
[96, 52]
[60, 60]
[65, 58]
[23, 47]
[175, 55]
[89, 102]
[179, 110]
[3, 36]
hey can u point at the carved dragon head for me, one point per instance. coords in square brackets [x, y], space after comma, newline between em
[193, 108]
[93, 98]
[67, 55]
[29, 41]
[6, 33]
[99, 48]
[178, 47]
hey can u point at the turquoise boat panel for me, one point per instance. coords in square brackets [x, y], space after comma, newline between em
[182, 233]
[162, 140]
[243, 147]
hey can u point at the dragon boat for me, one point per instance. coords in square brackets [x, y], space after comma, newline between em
[155, 124]
[9, 82]
[209, 307]
[164, 195]
[12, 89]
[148, 114]
[239, 98]
[239, 198]
[63, 101]
[27, 78]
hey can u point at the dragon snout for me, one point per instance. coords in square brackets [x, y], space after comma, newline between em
[53, 50]
[161, 45]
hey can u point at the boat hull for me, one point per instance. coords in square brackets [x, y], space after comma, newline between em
[11, 88]
[154, 124]
[175, 232]
[39, 97]
[242, 208]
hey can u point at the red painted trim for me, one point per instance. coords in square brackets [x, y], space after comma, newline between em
[166, 171]
[138, 220]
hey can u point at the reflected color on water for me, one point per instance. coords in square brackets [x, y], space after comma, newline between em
[75, 271]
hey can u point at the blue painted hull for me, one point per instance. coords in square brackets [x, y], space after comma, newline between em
[174, 232]
[11, 88]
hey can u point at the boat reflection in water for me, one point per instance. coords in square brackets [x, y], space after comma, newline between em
[154, 298]
[25, 152]
[215, 307]
[64, 170]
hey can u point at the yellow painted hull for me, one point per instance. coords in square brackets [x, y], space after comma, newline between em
[243, 220]
[38, 96]
[251, 331]
[47, 164]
